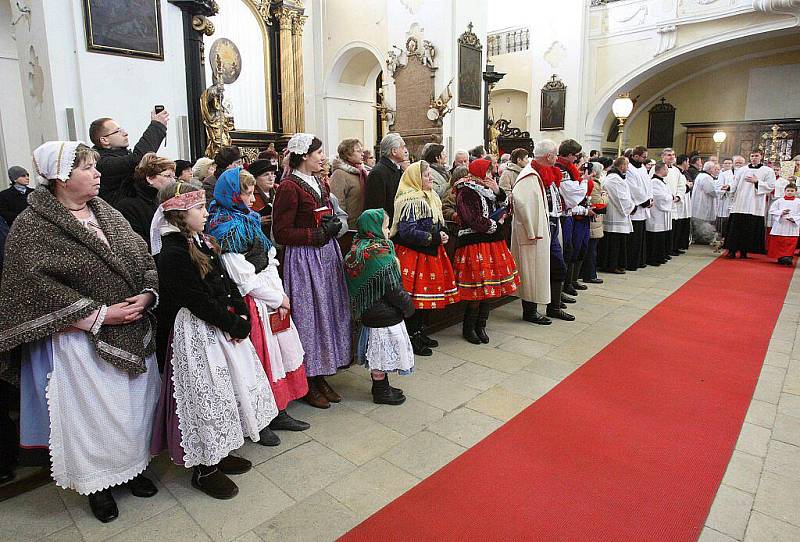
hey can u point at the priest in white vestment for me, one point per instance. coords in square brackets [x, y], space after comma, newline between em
[749, 191]
[676, 183]
[642, 194]
[724, 200]
[704, 193]
[660, 220]
[617, 222]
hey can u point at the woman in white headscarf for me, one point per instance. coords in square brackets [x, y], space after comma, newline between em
[77, 332]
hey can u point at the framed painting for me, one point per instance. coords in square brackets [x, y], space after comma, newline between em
[131, 28]
[554, 105]
[470, 66]
[661, 125]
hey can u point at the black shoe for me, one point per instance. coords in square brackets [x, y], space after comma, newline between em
[268, 438]
[234, 465]
[420, 349]
[142, 487]
[537, 318]
[213, 482]
[579, 286]
[568, 289]
[566, 299]
[744, 256]
[284, 422]
[481, 333]
[6, 474]
[668, 257]
[480, 323]
[560, 314]
[468, 325]
[470, 335]
[397, 392]
[103, 506]
[562, 305]
[382, 393]
[427, 341]
[593, 281]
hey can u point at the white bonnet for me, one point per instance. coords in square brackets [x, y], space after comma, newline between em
[54, 159]
[300, 143]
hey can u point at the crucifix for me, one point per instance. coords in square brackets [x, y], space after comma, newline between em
[774, 137]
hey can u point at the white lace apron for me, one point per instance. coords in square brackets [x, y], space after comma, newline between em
[389, 349]
[222, 393]
[101, 418]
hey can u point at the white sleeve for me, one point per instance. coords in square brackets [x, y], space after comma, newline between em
[573, 193]
[243, 273]
[766, 185]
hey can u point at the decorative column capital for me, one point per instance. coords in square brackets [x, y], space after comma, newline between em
[202, 24]
[284, 16]
[297, 24]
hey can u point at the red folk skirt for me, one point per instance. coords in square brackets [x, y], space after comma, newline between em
[781, 246]
[485, 271]
[429, 279]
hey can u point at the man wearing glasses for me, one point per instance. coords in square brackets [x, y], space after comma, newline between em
[117, 162]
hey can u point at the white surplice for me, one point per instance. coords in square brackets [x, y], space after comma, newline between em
[661, 212]
[785, 225]
[777, 193]
[620, 205]
[704, 198]
[724, 196]
[751, 198]
[641, 190]
[676, 183]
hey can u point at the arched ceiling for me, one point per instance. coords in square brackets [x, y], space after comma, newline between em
[359, 68]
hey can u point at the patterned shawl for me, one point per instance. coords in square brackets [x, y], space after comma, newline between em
[232, 223]
[412, 200]
[371, 266]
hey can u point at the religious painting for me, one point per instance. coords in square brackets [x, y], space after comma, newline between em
[130, 28]
[554, 105]
[661, 126]
[470, 65]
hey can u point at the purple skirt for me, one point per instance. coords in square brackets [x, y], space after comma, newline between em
[313, 278]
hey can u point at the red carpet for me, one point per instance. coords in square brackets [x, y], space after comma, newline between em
[632, 446]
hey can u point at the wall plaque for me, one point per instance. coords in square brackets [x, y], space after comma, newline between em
[661, 125]
[470, 65]
[554, 105]
[131, 28]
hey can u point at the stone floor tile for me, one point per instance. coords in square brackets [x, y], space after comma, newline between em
[779, 497]
[781, 345]
[787, 429]
[465, 426]
[552, 368]
[133, 511]
[409, 418]
[527, 347]
[744, 471]
[371, 487]
[777, 359]
[761, 413]
[730, 511]
[173, 525]
[355, 387]
[306, 469]
[360, 445]
[460, 348]
[770, 384]
[789, 404]
[529, 384]
[783, 459]
[257, 501]
[500, 403]
[475, 376]
[577, 352]
[763, 528]
[753, 439]
[249, 536]
[438, 364]
[792, 382]
[319, 518]
[423, 454]
[35, 514]
[257, 453]
[710, 535]
[70, 534]
[437, 391]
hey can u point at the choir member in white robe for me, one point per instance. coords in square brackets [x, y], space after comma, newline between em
[642, 194]
[677, 186]
[786, 229]
[724, 198]
[777, 193]
[749, 190]
[683, 212]
[660, 219]
[617, 222]
[704, 194]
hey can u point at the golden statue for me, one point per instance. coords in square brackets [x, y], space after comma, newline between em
[215, 117]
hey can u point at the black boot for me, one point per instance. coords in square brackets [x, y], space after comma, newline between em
[284, 422]
[395, 391]
[576, 271]
[213, 482]
[532, 315]
[480, 325]
[382, 393]
[568, 288]
[103, 505]
[419, 346]
[554, 309]
[142, 487]
[423, 329]
[267, 438]
[468, 326]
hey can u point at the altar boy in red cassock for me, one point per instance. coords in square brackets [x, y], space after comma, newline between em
[785, 213]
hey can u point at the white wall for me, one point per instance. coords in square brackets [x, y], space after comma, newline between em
[14, 143]
[773, 92]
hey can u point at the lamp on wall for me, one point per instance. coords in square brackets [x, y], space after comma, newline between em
[622, 108]
[719, 138]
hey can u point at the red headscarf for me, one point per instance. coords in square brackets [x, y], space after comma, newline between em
[479, 167]
[548, 174]
[572, 169]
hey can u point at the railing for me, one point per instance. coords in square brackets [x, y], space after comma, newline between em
[508, 41]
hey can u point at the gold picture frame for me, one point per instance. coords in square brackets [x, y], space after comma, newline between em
[131, 28]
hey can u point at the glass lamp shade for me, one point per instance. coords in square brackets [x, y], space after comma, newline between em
[622, 106]
[720, 137]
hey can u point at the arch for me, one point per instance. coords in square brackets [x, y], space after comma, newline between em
[597, 116]
[355, 64]
[511, 104]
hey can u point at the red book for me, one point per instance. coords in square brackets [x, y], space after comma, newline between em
[320, 212]
[278, 324]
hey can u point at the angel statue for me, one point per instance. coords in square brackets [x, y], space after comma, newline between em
[428, 53]
[394, 60]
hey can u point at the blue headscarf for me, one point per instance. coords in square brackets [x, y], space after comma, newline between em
[231, 222]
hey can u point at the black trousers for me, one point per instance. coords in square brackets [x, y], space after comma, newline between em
[635, 246]
[680, 233]
[657, 247]
[9, 438]
[614, 251]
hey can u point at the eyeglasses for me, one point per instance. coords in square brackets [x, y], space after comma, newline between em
[118, 130]
[167, 176]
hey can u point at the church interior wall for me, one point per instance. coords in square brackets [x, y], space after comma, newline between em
[14, 142]
[511, 105]
[516, 85]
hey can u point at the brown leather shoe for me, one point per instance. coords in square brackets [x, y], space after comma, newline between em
[314, 397]
[327, 391]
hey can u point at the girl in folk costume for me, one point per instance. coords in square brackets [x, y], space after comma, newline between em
[380, 303]
[786, 226]
[303, 221]
[484, 266]
[250, 260]
[598, 202]
[78, 289]
[215, 389]
[419, 234]
[660, 220]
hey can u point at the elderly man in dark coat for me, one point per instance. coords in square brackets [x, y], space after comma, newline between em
[383, 180]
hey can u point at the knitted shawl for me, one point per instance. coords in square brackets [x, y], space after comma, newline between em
[57, 272]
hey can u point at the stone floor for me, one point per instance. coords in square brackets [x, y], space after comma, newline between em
[358, 456]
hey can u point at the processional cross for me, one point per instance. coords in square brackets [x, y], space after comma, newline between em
[774, 137]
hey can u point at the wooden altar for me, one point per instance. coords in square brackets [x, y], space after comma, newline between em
[743, 136]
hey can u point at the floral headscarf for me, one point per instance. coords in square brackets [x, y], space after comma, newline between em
[231, 222]
[371, 266]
